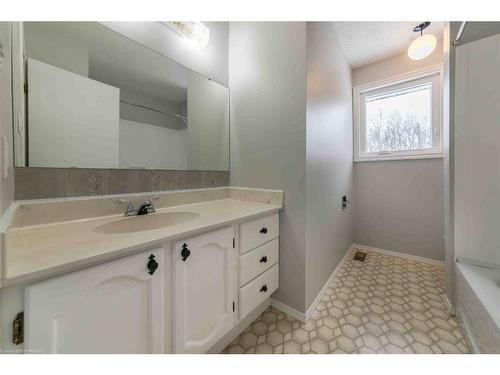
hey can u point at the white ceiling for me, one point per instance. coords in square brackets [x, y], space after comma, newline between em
[368, 42]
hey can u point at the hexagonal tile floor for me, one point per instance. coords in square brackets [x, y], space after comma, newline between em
[386, 304]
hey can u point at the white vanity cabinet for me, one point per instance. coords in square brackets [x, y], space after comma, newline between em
[193, 300]
[204, 290]
[115, 307]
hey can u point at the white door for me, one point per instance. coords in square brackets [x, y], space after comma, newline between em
[203, 291]
[116, 307]
[73, 120]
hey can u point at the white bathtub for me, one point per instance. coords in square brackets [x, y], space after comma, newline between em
[478, 306]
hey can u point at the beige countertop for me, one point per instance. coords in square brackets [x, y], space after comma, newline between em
[38, 251]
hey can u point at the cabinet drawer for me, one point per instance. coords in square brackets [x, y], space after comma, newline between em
[256, 232]
[256, 291]
[254, 262]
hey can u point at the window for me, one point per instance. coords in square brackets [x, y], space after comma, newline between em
[399, 119]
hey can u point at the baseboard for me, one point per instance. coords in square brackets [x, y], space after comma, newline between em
[398, 254]
[449, 307]
[220, 345]
[290, 311]
[318, 298]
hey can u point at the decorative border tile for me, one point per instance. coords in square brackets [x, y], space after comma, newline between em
[37, 183]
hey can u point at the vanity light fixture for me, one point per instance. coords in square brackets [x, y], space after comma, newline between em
[423, 46]
[194, 31]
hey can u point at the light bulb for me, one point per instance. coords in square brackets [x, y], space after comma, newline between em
[193, 31]
[422, 47]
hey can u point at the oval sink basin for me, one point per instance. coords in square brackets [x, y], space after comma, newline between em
[145, 222]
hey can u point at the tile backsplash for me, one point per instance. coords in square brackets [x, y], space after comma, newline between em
[35, 183]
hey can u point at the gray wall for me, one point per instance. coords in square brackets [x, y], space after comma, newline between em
[329, 229]
[280, 75]
[267, 81]
[211, 61]
[399, 206]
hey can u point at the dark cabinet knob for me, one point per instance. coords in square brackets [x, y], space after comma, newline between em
[152, 264]
[264, 288]
[263, 259]
[263, 230]
[185, 252]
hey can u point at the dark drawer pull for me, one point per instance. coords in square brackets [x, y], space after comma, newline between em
[264, 288]
[152, 264]
[185, 252]
[263, 230]
[263, 259]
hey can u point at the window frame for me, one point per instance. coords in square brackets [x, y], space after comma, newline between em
[433, 74]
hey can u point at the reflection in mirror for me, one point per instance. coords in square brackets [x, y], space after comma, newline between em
[96, 99]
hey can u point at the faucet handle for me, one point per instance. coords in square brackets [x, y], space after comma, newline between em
[125, 201]
[148, 205]
[130, 206]
[150, 200]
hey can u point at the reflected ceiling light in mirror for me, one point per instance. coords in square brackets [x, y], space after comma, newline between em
[423, 46]
[194, 31]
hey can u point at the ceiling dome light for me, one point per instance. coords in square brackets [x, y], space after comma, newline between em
[423, 46]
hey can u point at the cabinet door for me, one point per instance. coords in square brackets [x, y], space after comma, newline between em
[203, 291]
[116, 307]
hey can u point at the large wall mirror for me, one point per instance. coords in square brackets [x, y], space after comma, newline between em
[96, 99]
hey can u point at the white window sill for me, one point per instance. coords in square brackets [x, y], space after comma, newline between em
[397, 157]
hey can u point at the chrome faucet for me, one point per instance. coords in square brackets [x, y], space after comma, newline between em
[145, 208]
[130, 211]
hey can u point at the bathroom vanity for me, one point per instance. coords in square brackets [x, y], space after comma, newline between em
[110, 115]
[181, 280]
